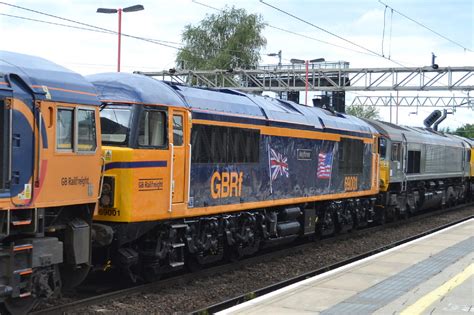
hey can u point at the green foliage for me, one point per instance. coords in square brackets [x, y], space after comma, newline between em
[229, 39]
[368, 112]
[466, 130]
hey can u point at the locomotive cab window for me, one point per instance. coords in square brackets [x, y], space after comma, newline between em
[178, 130]
[86, 140]
[396, 152]
[383, 148]
[115, 126]
[152, 129]
[65, 129]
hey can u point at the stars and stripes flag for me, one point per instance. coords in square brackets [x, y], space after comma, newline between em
[325, 165]
[278, 164]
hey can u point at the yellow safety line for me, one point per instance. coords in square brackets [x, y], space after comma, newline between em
[423, 303]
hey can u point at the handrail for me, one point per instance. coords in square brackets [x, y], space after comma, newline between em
[40, 129]
[171, 176]
[189, 172]
[102, 175]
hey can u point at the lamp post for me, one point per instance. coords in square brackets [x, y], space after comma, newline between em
[306, 62]
[276, 55]
[132, 8]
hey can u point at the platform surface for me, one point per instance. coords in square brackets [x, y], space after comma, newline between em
[431, 275]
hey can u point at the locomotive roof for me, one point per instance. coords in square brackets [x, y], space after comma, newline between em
[469, 141]
[134, 88]
[46, 79]
[274, 111]
[414, 134]
[234, 105]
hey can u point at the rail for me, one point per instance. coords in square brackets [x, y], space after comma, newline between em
[223, 269]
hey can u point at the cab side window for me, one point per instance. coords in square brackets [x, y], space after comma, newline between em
[152, 129]
[396, 152]
[76, 130]
[177, 130]
[65, 129]
[383, 148]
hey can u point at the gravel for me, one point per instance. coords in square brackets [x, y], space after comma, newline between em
[200, 293]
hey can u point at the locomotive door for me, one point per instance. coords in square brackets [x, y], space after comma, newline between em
[178, 123]
[23, 148]
[4, 143]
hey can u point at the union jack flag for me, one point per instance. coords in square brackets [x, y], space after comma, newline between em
[278, 165]
[325, 165]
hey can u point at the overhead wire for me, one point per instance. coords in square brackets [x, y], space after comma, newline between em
[94, 28]
[426, 27]
[383, 29]
[370, 53]
[291, 32]
[340, 37]
[54, 23]
[390, 41]
[318, 40]
[105, 31]
[320, 28]
[308, 37]
[88, 27]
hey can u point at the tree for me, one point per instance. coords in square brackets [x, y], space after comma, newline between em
[368, 112]
[231, 38]
[466, 130]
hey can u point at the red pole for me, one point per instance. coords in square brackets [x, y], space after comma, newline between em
[306, 96]
[119, 37]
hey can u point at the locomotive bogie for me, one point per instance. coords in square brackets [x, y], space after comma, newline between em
[164, 246]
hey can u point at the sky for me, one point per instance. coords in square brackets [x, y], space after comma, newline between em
[360, 21]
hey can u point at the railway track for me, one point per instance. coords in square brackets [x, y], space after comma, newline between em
[256, 293]
[263, 257]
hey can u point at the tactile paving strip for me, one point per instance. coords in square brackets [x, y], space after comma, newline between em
[386, 291]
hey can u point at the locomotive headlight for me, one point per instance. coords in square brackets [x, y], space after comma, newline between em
[105, 201]
[107, 197]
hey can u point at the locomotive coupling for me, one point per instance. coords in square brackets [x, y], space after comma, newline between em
[102, 235]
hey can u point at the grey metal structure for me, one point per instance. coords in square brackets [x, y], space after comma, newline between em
[414, 101]
[294, 78]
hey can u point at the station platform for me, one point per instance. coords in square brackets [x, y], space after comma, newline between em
[430, 275]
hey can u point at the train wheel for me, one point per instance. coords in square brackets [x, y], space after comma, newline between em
[72, 276]
[328, 226]
[152, 272]
[235, 253]
[18, 305]
[193, 264]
